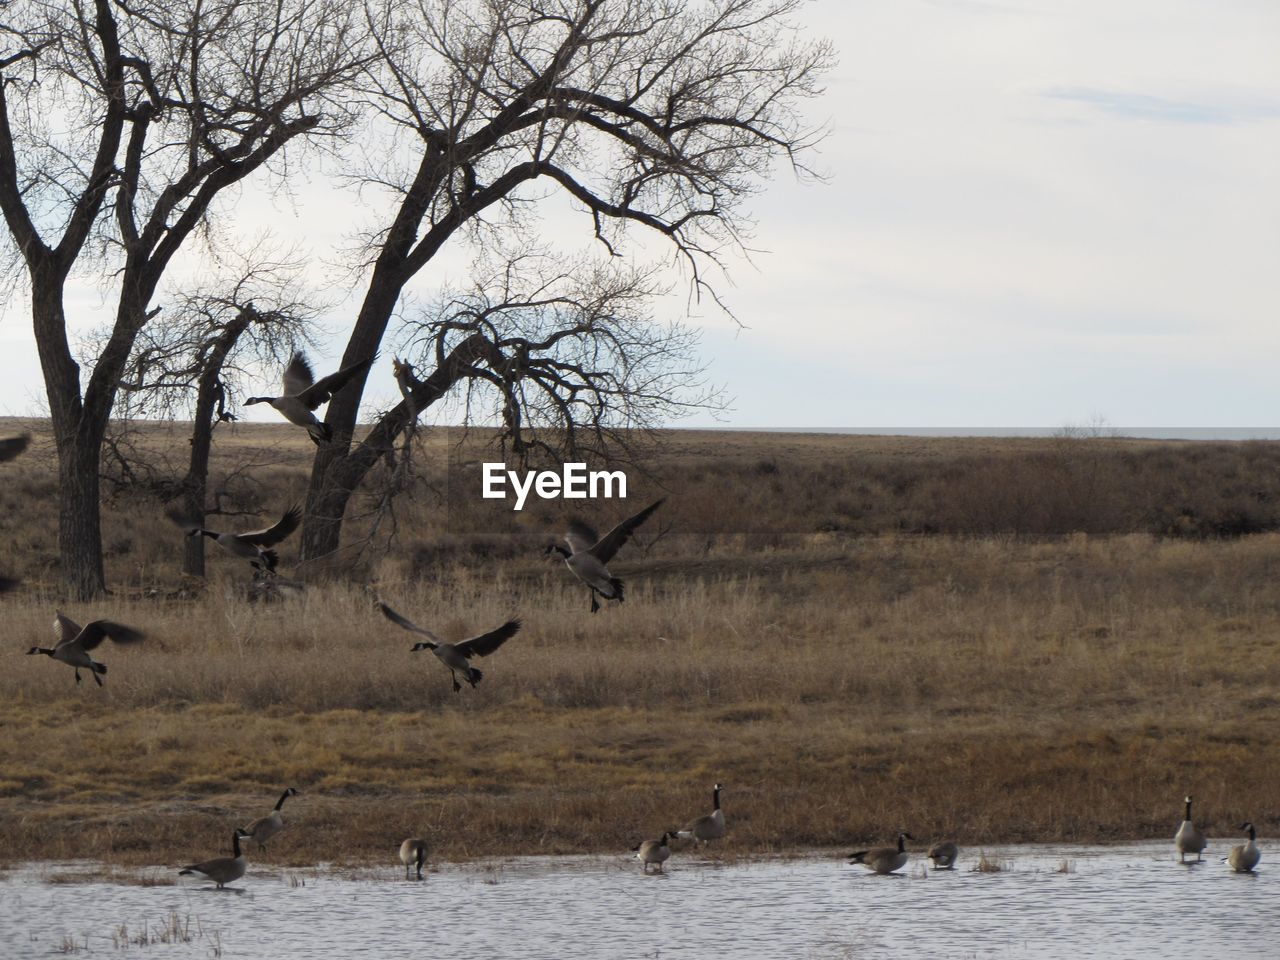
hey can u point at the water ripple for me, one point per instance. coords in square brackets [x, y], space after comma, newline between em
[1130, 901]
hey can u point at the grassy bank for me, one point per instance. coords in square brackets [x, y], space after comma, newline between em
[990, 689]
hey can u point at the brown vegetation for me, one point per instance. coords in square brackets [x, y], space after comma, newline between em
[992, 688]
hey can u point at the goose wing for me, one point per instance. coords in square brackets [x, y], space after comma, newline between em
[64, 628]
[274, 534]
[612, 541]
[581, 538]
[297, 375]
[486, 643]
[323, 389]
[406, 623]
[94, 632]
[10, 447]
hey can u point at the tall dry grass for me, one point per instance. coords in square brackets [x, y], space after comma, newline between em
[855, 635]
[995, 690]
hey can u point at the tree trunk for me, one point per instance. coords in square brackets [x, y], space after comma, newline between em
[332, 477]
[79, 515]
[331, 491]
[208, 394]
[78, 440]
[194, 488]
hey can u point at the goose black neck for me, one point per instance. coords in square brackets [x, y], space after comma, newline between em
[715, 798]
[45, 650]
[1188, 816]
[562, 551]
[212, 535]
[902, 843]
[235, 842]
[283, 797]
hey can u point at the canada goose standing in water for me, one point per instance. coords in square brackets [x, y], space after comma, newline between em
[455, 655]
[253, 546]
[10, 447]
[1188, 839]
[302, 395]
[943, 854]
[264, 828]
[413, 852]
[709, 826]
[884, 859]
[588, 553]
[650, 852]
[75, 643]
[1245, 856]
[221, 870]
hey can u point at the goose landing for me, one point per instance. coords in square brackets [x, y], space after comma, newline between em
[455, 655]
[75, 643]
[588, 553]
[302, 396]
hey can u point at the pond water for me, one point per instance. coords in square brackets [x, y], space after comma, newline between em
[1132, 900]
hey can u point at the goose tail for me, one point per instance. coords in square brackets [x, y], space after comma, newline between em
[320, 433]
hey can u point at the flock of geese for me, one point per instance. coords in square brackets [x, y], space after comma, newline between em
[586, 559]
[586, 555]
[943, 855]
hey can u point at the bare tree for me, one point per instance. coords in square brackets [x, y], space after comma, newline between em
[192, 359]
[660, 114]
[574, 362]
[120, 125]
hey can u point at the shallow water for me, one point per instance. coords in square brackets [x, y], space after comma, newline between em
[1133, 900]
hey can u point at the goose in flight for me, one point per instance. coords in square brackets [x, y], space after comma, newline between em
[253, 546]
[455, 655]
[588, 553]
[303, 394]
[74, 643]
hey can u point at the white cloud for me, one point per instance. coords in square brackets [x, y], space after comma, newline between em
[1036, 211]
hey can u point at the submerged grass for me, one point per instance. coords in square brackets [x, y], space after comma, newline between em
[994, 689]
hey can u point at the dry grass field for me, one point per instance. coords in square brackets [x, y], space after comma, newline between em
[801, 625]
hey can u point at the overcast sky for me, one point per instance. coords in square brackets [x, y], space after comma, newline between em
[1037, 213]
